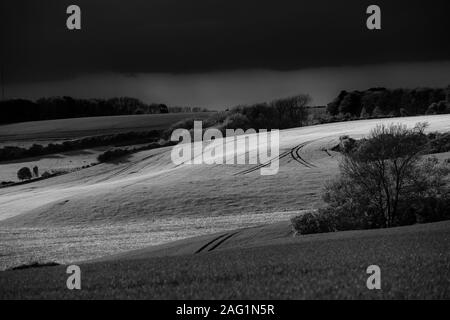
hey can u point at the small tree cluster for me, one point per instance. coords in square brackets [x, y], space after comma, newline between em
[385, 181]
[26, 174]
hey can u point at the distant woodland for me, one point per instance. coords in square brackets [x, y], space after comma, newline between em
[289, 112]
[20, 110]
[378, 102]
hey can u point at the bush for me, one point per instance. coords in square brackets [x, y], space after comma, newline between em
[313, 222]
[24, 174]
[46, 175]
[113, 154]
[428, 198]
[36, 171]
[346, 144]
[325, 220]
[384, 182]
[439, 142]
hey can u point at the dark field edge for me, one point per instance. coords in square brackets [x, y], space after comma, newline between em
[415, 264]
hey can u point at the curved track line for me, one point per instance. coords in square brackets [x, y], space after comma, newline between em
[210, 242]
[283, 155]
[222, 241]
[216, 242]
[308, 164]
[295, 154]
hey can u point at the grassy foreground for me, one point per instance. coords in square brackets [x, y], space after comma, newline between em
[414, 262]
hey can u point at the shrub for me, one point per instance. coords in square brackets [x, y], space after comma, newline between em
[36, 171]
[384, 182]
[346, 144]
[384, 176]
[428, 198]
[113, 154]
[439, 142]
[46, 175]
[24, 174]
[313, 222]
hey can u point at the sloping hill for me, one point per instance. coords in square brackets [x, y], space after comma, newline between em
[414, 263]
[147, 200]
[35, 131]
[149, 185]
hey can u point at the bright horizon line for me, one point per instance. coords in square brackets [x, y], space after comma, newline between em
[224, 89]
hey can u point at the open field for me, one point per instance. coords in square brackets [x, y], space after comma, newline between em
[139, 201]
[66, 161]
[414, 264]
[44, 132]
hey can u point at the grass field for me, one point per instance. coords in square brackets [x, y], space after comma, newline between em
[26, 133]
[139, 201]
[414, 264]
[66, 161]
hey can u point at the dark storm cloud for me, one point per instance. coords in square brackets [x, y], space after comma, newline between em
[176, 36]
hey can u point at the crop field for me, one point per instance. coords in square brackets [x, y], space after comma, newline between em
[44, 132]
[142, 198]
[414, 262]
[65, 162]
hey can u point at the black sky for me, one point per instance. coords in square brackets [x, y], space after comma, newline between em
[176, 36]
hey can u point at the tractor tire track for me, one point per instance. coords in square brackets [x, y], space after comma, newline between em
[283, 155]
[299, 157]
[294, 153]
[222, 241]
[210, 242]
[216, 242]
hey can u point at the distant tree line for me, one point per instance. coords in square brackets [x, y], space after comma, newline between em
[185, 109]
[284, 113]
[19, 110]
[379, 102]
[115, 154]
